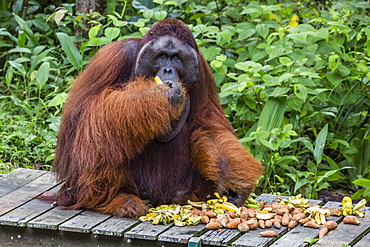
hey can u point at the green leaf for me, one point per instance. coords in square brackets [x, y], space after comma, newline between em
[284, 77]
[149, 13]
[295, 103]
[279, 91]
[143, 5]
[210, 52]
[320, 144]
[18, 66]
[362, 182]
[170, 2]
[20, 49]
[69, 48]
[267, 144]
[334, 78]
[262, 30]
[160, 15]
[23, 24]
[300, 91]
[301, 37]
[58, 99]
[112, 32]
[272, 114]
[334, 61]
[299, 183]
[42, 75]
[285, 61]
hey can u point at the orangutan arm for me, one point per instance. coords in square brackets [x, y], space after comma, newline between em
[119, 123]
[221, 158]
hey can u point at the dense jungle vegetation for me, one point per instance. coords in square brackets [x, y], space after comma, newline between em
[293, 78]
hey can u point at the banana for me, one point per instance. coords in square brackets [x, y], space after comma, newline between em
[158, 80]
[252, 206]
[359, 205]
[196, 204]
[227, 206]
[252, 201]
[348, 208]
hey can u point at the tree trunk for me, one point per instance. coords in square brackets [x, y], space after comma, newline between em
[88, 7]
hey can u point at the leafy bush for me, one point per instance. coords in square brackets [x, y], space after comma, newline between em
[293, 79]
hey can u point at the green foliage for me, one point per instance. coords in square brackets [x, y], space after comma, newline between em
[293, 80]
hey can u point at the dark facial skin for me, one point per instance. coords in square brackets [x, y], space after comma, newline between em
[170, 59]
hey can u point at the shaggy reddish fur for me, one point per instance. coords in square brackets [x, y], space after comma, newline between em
[107, 153]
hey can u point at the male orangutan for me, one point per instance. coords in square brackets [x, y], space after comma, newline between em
[126, 143]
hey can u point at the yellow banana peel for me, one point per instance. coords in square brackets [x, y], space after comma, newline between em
[158, 80]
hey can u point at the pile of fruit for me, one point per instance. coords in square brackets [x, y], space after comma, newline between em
[218, 213]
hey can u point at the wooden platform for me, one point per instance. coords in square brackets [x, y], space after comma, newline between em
[28, 222]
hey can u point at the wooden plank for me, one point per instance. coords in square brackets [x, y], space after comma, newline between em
[345, 233]
[52, 218]
[220, 237]
[254, 239]
[17, 178]
[364, 241]
[182, 234]
[28, 211]
[115, 226]
[83, 222]
[146, 230]
[27, 192]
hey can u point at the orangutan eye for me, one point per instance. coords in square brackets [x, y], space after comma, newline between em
[176, 58]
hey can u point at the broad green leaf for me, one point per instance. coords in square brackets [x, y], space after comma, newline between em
[42, 75]
[300, 91]
[20, 49]
[144, 5]
[210, 52]
[262, 30]
[149, 13]
[267, 144]
[295, 103]
[362, 182]
[120, 23]
[300, 182]
[334, 78]
[250, 10]
[285, 61]
[18, 66]
[279, 91]
[170, 2]
[112, 32]
[284, 77]
[93, 32]
[334, 60]
[69, 48]
[258, 56]
[160, 15]
[246, 34]
[301, 37]
[320, 144]
[272, 114]
[216, 64]
[9, 75]
[23, 24]
[58, 99]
